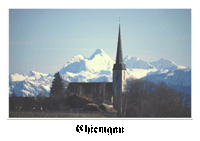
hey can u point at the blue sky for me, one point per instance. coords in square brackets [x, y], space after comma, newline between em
[44, 40]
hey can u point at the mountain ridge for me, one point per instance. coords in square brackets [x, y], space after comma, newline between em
[98, 68]
[166, 64]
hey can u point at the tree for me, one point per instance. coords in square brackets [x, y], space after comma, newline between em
[57, 88]
[121, 103]
[147, 99]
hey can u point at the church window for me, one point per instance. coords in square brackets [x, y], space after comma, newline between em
[117, 77]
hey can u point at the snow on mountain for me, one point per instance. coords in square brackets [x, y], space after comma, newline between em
[158, 71]
[179, 79]
[74, 65]
[30, 85]
[134, 62]
[17, 77]
[138, 73]
[85, 76]
[98, 52]
[37, 74]
[172, 78]
[166, 64]
[98, 61]
[98, 68]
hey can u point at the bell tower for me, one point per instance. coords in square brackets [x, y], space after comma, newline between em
[119, 72]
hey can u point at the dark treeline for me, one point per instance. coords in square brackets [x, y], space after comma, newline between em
[142, 99]
[147, 99]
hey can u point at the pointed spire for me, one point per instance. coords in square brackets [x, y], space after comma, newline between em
[119, 58]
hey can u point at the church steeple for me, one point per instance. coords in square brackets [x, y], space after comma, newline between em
[119, 65]
[119, 57]
[119, 73]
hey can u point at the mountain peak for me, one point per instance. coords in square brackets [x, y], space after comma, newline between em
[128, 57]
[99, 60]
[34, 73]
[166, 61]
[97, 51]
[166, 64]
[77, 58]
[161, 59]
[134, 62]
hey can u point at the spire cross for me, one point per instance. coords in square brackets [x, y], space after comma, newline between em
[119, 18]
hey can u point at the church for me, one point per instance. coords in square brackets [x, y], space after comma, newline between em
[105, 92]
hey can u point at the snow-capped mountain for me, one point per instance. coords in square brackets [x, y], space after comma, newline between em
[30, 85]
[134, 62]
[38, 74]
[166, 64]
[173, 77]
[98, 68]
[178, 79]
[98, 61]
[74, 65]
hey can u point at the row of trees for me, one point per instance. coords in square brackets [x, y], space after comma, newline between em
[142, 99]
[147, 99]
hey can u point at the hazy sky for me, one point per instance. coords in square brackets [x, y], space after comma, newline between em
[44, 40]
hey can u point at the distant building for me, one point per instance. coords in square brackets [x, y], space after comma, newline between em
[104, 92]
